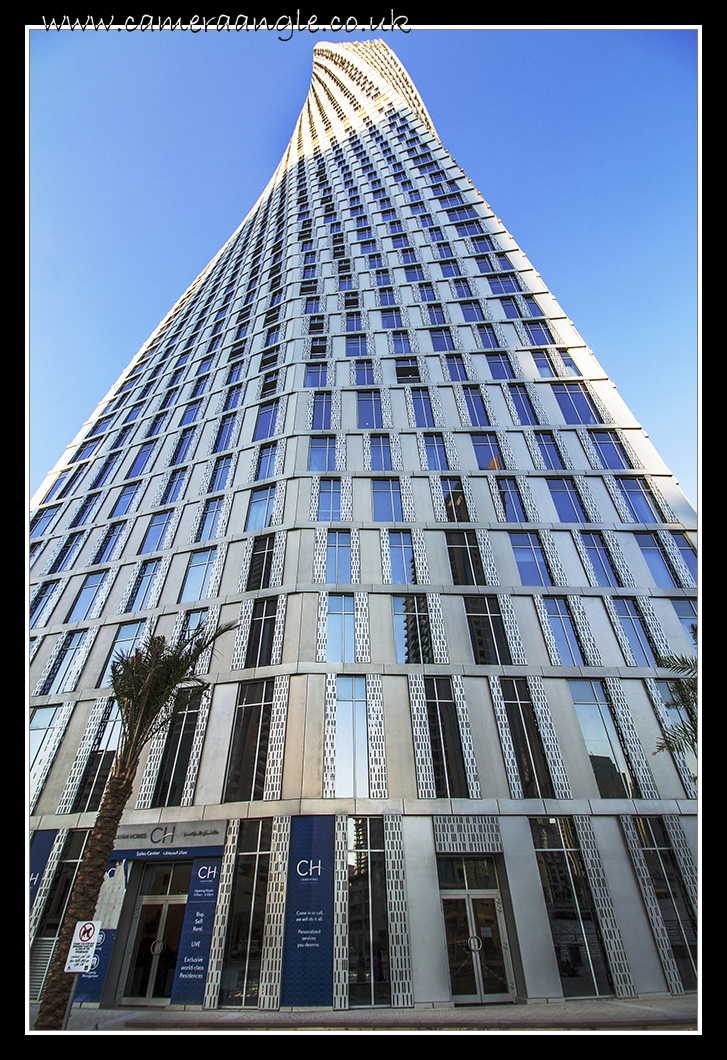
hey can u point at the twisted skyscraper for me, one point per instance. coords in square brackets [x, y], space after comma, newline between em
[422, 772]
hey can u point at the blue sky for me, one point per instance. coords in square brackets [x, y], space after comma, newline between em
[147, 150]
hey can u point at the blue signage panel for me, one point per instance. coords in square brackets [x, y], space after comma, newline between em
[308, 945]
[194, 946]
[90, 983]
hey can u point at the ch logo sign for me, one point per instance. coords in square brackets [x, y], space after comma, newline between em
[309, 868]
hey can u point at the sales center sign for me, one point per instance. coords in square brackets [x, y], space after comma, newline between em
[308, 946]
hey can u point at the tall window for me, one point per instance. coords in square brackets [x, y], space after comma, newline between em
[266, 461]
[487, 452]
[266, 421]
[199, 573]
[386, 500]
[423, 414]
[369, 976]
[127, 640]
[322, 456]
[510, 497]
[144, 585]
[450, 775]
[610, 450]
[338, 557]
[380, 452]
[464, 558]
[549, 450]
[210, 520]
[436, 453]
[633, 625]
[523, 405]
[412, 632]
[603, 745]
[653, 552]
[579, 949]
[240, 979]
[575, 403]
[566, 500]
[639, 499]
[219, 474]
[455, 504]
[340, 631]
[401, 552]
[672, 896]
[322, 411]
[98, 766]
[87, 596]
[527, 742]
[561, 624]
[487, 631]
[530, 559]
[260, 512]
[329, 500]
[475, 406]
[352, 750]
[154, 537]
[262, 629]
[177, 751]
[261, 563]
[597, 551]
[245, 780]
[369, 410]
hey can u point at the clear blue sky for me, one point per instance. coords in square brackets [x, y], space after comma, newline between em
[147, 150]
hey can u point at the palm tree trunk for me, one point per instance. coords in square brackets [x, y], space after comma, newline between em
[84, 898]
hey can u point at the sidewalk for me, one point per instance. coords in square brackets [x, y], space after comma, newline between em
[656, 1015]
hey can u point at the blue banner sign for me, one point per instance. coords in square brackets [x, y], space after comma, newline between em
[194, 946]
[308, 945]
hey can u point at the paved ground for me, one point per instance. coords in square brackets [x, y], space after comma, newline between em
[655, 1015]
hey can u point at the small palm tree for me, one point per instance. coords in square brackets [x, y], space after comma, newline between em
[683, 736]
[145, 683]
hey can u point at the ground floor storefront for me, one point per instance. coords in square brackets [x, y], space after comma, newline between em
[391, 911]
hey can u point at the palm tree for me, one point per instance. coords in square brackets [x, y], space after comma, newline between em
[682, 736]
[145, 684]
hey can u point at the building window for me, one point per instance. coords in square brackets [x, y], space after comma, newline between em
[566, 500]
[245, 779]
[266, 461]
[487, 631]
[175, 483]
[407, 371]
[260, 513]
[183, 446]
[321, 411]
[475, 406]
[261, 563]
[579, 949]
[356, 346]
[260, 637]
[224, 434]
[610, 450]
[386, 500]
[561, 624]
[338, 557]
[177, 751]
[436, 453]
[456, 367]
[369, 976]
[266, 421]
[156, 532]
[532, 763]
[510, 497]
[364, 373]
[125, 500]
[87, 596]
[549, 450]
[401, 553]
[412, 633]
[575, 403]
[523, 405]
[455, 504]
[602, 743]
[638, 498]
[499, 365]
[199, 572]
[144, 585]
[487, 452]
[109, 543]
[655, 556]
[322, 456]
[595, 547]
[340, 630]
[369, 410]
[687, 553]
[671, 894]
[210, 519]
[380, 452]
[635, 632]
[450, 774]
[240, 979]
[127, 640]
[441, 340]
[530, 558]
[352, 752]
[64, 662]
[316, 375]
[98, 766]
[329, 500]
[464, 558]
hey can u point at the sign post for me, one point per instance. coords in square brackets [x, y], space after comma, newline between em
[80, 956]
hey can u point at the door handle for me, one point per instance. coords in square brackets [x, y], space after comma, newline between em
[475, 943]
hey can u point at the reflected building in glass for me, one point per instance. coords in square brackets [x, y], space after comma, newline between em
[422, 770]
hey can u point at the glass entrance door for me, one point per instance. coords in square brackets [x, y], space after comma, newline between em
[479, 966]
[154, 959]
